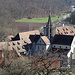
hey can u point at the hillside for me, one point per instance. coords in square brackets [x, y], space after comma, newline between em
[35, 8]
[10, 10]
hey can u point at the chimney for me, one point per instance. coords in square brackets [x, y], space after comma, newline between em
[63, 25]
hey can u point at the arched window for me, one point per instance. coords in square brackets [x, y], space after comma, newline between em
[54, 46]
[60, 46]
[66, 47]
[38, 47]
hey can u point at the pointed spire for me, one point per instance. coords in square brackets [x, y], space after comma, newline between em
[49, 19]
[49, 26]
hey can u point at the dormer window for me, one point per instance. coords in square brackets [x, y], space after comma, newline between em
[18, 43]
[24, 41]
[61, 33]
[18, 48]
[63, 29]
[13, 48]
[23, 47]
[13, 43]
[40, 41]
[8, 44]
[66, 32]
[57, 30]
[71, 31]
[66, 29]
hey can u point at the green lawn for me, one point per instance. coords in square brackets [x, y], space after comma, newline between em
[40, 20]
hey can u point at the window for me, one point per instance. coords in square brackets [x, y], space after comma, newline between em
[63, 29]
[18, 43]
[61, 33]
[38, 47]
[60, 46]
[23, 47]
[8, 44]
[66, 32]
[18, 48]
[57, 30]
[13, 48]
[13, 43]
[42, 48]
[40, 41]
[24, 41]
[66, 47]
[54, 46]
[66, 29]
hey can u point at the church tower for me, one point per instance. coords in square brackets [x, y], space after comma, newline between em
[48, 28]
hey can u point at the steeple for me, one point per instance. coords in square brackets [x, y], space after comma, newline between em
[48, 29]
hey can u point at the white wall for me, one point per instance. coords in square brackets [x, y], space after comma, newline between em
[41, 47]
[72, 50]
[61, 46]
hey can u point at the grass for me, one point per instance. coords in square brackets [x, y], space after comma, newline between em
[40, 20]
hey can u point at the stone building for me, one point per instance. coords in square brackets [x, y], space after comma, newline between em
[63, 30]
[62, 42]
[42, 46]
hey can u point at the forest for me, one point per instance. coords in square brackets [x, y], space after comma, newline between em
[10, 10]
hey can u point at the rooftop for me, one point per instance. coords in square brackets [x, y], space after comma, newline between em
[65, 30]
[63, 39]
[45, 39]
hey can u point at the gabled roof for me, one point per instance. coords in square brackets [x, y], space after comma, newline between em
[10, 37]
[45, 39]
[65, 30]
[62, 39]
[34, 38]
[30, 33]
[25, 35]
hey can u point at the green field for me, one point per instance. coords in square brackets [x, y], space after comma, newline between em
[40, 20]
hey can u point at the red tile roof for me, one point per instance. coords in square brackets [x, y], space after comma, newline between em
[10, 36]
[65, 30]
[25, 35]
[45, 39]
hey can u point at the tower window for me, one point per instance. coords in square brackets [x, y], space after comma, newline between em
[38, 47]
[71, 31]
